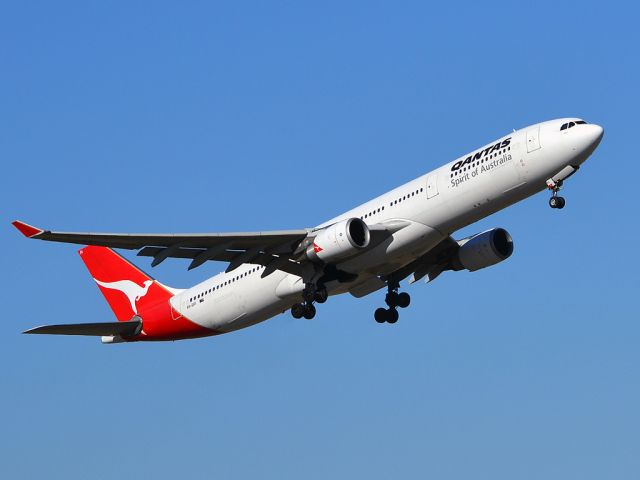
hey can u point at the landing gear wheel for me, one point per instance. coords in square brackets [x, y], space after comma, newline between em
[380, 315]
[297, 311]
[392, 315]
[309, 311]
[403, 300]
[557, 202]
[321, 295]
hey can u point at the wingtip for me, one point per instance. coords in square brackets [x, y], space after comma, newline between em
[27, 230]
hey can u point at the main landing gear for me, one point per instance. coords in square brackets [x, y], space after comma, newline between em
[555, 201]
[311, 293]
[393, 300]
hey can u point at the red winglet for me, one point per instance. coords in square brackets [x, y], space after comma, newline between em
[27, 230]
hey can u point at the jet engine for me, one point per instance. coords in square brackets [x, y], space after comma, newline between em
[338, 241]
[485, 249]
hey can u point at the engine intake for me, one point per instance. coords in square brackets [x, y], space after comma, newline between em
[485, 249]
[338, 241]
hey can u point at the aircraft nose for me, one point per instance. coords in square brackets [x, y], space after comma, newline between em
[595, 134]
[585, 139]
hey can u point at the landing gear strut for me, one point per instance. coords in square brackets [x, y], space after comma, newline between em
[555, 201]
[393, 299]
[311, 293]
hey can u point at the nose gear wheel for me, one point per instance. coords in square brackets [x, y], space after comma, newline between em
[555, 201]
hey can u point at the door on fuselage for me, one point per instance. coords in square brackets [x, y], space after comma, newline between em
[179, 307]
[522, 158]
[432, 186]
[533, 139]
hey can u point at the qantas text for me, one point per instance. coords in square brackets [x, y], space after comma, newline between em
[482, 153]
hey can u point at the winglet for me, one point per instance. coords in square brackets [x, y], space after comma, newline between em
[27, 230]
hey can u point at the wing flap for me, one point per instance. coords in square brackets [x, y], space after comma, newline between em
[132, 327]
[431, 264]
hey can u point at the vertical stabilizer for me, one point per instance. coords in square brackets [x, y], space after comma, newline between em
[128, 290]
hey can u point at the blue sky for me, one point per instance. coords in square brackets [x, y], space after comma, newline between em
[165, 116]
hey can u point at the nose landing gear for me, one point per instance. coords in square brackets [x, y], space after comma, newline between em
[393, 300]
[555, 201]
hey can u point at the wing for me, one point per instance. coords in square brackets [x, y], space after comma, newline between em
[271, 249]
[275, 250]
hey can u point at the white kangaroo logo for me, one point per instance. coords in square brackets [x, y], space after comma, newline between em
[132, 290]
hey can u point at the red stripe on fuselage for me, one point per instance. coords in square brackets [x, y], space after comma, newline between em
[163, 322]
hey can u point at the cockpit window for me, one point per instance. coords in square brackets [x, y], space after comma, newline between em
[572, 124]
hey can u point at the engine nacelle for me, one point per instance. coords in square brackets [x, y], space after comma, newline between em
[338, 241]
[485, 249]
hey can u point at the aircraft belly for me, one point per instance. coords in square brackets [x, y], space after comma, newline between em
[269, 309]
[259, 302]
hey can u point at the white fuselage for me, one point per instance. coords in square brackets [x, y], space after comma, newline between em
[434, 206]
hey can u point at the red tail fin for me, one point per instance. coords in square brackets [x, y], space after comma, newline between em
[128, 290]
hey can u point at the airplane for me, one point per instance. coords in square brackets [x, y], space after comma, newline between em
[405, 233]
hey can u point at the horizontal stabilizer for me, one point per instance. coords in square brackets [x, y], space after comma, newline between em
[129, 328]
